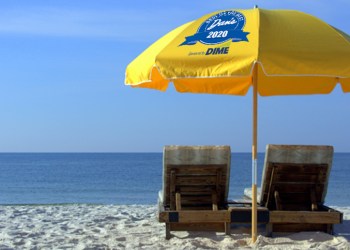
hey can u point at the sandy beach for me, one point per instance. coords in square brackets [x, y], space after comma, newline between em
[136, 227]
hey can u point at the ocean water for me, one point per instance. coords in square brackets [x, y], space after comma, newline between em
[122, 178]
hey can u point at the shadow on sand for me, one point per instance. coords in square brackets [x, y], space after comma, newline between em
[343, 229]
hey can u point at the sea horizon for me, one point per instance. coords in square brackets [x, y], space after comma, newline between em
[118, 152]
[121, 178]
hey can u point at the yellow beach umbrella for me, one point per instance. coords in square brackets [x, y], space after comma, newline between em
[277, 52]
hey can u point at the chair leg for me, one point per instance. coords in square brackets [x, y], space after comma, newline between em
[330, 229]
[269, 229]
[227, 228]
[167, 231]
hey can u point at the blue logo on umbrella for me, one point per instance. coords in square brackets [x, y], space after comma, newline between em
[222, 27]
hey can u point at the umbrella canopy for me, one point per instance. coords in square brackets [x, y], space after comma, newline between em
[277, 52]
[296, 53]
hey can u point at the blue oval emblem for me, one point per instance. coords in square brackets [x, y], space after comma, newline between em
[219, 28]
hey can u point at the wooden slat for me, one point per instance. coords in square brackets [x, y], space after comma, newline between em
[195, 189]
[301, 178]
[218, 186]
[178, 201]
[206, 198]
[204, 216]
[296, 207]
[277, 200]
[313, 200]
[172, 189]
[215, 201]
[199, 207]
[197, 168]
[300, 168]
[198, 216]
[290, 198]
[305, 217]
[293, 187]
[292, 227]
[195, 180]
[196, 201]
[270, 189]
[211, 227]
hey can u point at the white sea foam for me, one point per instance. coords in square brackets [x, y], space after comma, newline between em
[136, 227]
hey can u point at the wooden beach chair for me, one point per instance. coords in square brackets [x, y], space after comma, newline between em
[294, 186]
[195, 189]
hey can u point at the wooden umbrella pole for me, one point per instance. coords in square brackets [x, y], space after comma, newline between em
[254, 154]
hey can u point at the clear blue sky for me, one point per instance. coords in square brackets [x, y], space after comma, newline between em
[62, 82]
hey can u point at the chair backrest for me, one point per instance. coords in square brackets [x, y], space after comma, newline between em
[194, 172]
[299, 174]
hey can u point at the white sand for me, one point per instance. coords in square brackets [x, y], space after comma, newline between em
[135, 227]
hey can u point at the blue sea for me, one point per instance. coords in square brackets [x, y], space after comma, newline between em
[122, 178]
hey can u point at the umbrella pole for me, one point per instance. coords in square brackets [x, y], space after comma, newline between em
[254, 154]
